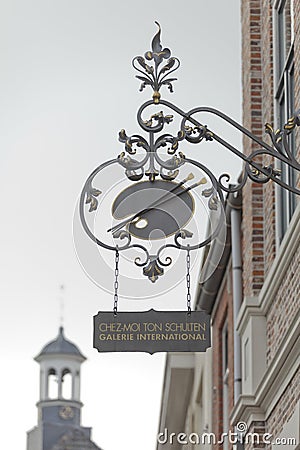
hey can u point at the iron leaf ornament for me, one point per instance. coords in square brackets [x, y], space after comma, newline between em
[153, 75]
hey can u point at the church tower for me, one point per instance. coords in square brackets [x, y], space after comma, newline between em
[59, 406]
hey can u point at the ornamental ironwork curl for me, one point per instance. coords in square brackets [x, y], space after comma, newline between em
[153, 166]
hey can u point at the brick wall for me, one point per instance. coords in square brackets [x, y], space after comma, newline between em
[253, 232]
[285, 407]
[284, 308]
[258, 428]
[267, 116]
[259, 233]
[224, 312]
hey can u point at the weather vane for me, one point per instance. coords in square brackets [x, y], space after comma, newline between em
[160, 203]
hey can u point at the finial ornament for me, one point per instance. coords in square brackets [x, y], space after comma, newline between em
[152, 75]
[61, 305]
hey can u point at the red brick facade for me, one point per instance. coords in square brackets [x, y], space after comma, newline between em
[285, 407]
[259, 205]
[271, 276]
[268, 117]
[253, 241]
[224, 313]
[284, 309]
[263, 379]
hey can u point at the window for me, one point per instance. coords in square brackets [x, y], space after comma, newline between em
[284, 101]
[246, 359]
[66, 379]
[52, 384]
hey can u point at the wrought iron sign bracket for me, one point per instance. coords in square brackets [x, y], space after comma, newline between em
[162, 199]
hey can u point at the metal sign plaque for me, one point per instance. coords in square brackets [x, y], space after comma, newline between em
[152, 331]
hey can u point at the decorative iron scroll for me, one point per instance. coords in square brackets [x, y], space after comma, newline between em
[155, 68]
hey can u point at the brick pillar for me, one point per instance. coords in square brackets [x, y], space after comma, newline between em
[268, 116]
[253, 217]
[223, 314]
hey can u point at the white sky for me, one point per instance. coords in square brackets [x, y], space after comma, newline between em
[67, 87]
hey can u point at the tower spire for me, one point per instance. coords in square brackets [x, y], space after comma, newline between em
[61, 305]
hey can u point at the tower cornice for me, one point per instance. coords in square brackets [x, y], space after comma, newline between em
[59, 402]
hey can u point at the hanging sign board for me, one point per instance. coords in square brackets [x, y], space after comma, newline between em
[152, 331]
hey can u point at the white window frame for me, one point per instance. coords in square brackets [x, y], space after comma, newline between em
[284, 108]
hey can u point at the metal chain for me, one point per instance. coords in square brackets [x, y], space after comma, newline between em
[188, 280]
[116, 283]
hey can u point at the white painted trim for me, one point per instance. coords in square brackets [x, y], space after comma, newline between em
[175, 360]
[276, 379]
[287, 358]
[246, 410]
[165, 393]
[289, 245]
[249, 307]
